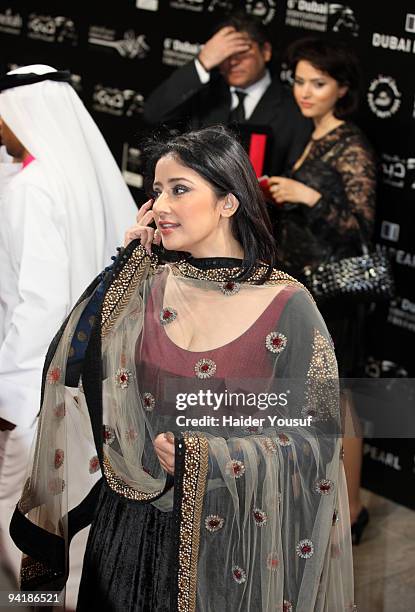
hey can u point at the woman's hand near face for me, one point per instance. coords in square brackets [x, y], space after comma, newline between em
[147, 235]
[164, 447]
[284, 189]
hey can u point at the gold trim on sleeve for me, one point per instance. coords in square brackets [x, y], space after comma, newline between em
[122, 287]
[194, 485]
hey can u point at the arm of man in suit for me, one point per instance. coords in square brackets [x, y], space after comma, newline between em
[171, 101]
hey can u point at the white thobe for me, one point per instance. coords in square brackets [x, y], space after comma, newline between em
[40, 279]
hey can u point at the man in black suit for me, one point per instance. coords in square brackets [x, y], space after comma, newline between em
[229, 83]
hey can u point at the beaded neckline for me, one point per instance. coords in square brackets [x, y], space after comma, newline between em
[215, 269]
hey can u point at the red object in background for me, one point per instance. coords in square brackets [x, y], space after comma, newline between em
[257, 146]
[264, 184]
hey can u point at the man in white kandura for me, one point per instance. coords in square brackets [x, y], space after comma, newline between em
[62, 217]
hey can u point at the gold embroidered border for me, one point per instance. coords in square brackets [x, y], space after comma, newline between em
[220, 275]
[194, 484]
[118, 485]
[322, 385]
[122, 287]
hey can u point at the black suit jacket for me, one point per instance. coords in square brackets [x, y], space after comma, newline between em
[182, 100]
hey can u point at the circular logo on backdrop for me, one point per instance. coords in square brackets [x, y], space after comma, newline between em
[265, 9]
[384, 97]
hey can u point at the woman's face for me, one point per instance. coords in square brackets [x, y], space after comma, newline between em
[187, 212]
[316, 92]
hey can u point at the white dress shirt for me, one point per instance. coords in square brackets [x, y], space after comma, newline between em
[253, 93]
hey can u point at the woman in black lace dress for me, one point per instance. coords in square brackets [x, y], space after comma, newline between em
[326, 204]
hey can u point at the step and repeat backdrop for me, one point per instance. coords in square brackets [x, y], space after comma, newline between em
[117, 55]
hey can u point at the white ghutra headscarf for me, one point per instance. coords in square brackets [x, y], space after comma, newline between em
[53, 124]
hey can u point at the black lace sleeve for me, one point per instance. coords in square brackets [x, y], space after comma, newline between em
[342, 169]
[355, 165]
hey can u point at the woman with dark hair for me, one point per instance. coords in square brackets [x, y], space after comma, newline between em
[204, 503]
[326, 207]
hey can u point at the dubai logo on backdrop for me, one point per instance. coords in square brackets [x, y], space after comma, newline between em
[188, 5]
[384, 97]
[10, 22]
[52, 28]
[116, 101]
[321, 16]
[147, 5]
[398, 171]
[179, 52]
[402, 313]
[130, 45]
[392, 42]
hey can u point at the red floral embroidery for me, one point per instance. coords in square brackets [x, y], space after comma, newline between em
[269, 445]
[59, 411]
[287, 606]
[93, 465]
[109, 434]
[54, 375]
[260, 517]
[131, 435]
[305, 549]
[205, 368]
[239, 575]
[276, 342]
[283, 439]
[59, 456]
[56, 486]
[324, 486]
[236, 468]
[272, 561]
[167, 315]
[214, 523]
[230, 288]
[149, 401]
[122, 378]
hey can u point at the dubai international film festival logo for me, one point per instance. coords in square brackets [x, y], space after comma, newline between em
[321, 16]
[118, 102]
[52, 28]
[178, 52]
[391, 42]
[131, 45]
[384, 97]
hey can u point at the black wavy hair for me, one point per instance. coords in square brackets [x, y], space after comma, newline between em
[338, 60]
[216, 155]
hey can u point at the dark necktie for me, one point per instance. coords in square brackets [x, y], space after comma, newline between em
[237, 115]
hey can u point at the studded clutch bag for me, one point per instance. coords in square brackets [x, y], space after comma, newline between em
[367, 277]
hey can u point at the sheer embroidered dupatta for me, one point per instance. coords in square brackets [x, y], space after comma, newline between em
[260, 515]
